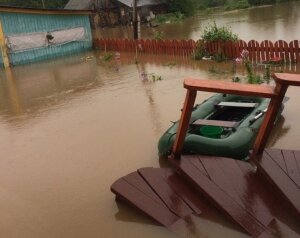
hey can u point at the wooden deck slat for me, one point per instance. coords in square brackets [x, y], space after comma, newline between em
[254, 196]
[182, 188]
[156, 181]
[277, 156]
[143, 202]
[292, 166]
[198, 164]
[220, 177]
[135, 180]
[297, 157]
[220, 199]
[235, 182]
[281, 181]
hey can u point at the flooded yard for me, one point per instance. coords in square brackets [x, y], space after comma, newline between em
[70, 127]
[277, 22]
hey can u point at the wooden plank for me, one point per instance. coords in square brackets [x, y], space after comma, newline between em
[227, 174]
[279, 179]
[220, 178]
[270, 117]
[292, 167]
[184, 122]
[135, 180]
[218, 197]
[277, 156]
[183, 189]
[229, 87]
[287, 79]
[297, 157]
[156, 181]
[228, 124]
[237, 104]
[194, 160]
[143, 202]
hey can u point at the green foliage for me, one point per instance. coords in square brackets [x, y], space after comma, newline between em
[214, 33]
[186, 7]
[261, 2]
[203, 4]
[107, 56]
[236, 4]
[200, 51]
[55, 4]
[158, 35]
[156, 77]
[252, 78]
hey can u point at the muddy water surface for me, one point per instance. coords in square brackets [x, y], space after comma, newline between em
[70, 127]
[278, 22]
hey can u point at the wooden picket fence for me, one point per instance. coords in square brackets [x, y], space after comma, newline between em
[258, 52]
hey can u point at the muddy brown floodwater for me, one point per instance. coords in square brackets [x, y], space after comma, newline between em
[277, 22]
[70, 127]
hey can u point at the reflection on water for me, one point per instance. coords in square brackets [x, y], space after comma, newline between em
[69, 128]
[277, 22]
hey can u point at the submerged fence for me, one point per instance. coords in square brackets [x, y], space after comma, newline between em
[258, 52]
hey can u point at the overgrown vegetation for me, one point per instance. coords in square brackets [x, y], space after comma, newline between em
[252, 77]
[56, 4]
[213, 33]
[236, 4]
[107, 56]
[186, 7]
[189, 7]
[158, 35]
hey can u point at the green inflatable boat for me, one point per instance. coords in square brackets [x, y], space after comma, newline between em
[223, 125]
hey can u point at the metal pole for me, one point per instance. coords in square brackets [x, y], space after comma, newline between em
[135, 20]
[43, 3]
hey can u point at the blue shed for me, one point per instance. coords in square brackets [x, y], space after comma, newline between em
[38, 34]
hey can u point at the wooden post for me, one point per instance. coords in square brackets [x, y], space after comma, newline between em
[282, 82]
[3, 48]
[184, 122]
[13, 93]
[135, 20]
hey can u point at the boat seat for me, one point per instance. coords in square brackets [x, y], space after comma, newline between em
[203, 122]
[237, 104]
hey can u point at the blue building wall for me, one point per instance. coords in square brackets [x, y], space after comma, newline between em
[16, 23]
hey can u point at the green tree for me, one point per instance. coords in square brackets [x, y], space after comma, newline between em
[187, 7]
[56, 4]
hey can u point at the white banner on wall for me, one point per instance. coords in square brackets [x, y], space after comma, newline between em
[67, 35]
[24, 42]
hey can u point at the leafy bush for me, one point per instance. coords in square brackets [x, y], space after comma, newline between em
[107, 56]
[237, 4]
[187, 7]
[158, 35]
[200, 51]
[214, 33]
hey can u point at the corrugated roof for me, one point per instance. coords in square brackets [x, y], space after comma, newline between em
[141, 3]
[79, 4]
